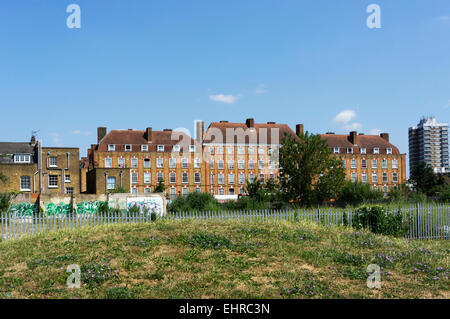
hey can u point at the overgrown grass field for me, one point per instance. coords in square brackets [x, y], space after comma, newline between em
[226, 259]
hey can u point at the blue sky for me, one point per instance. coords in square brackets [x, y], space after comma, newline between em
[167, 63]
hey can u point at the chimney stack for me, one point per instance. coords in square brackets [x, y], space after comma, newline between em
[33, 140]
[148, 134]
[250, 123]
[354, 138]
[299, 129]
[199, 131]
[101, 133]
[385, 136]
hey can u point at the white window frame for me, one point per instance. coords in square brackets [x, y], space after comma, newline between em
[147, 178]
[376, 150]
[121, 162]
[134, 162]
[147, 160]
[172, 162]
[183, 180]
[133, 179]
[108, 159]
[24, 189]
[144, 148]
[389, 150]
[231, 178]
[108, 183]
[111, 147]
[128, 148]
[335, 150]
[57, 181]
[160, 148]
[363, 150]
[172, 174]
[184, 163]
[197, 162]
[50, 158]
[159, 162]
[192, 148]
[197, 178]
[67, 178]
[176, 148]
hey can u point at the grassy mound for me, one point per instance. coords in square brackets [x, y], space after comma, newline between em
[193, 259]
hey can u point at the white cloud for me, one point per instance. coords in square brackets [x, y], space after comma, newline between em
[353, 127]
[375, 131]
[228, 99]
[78, 132]
[56, 138]
[345, 116]
[260, 89]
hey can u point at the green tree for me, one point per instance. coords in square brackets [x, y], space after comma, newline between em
[3, 178]
[309, 173]
[160, 188]
[424, 180]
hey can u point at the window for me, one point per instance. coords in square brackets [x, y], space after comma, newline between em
[134, 178]
[108, 162]
[395, 177]
[271, 164]
[176, 148]
[394, 164]
[374, 178]
[184, 178]
[173, 193]
[230, 150]
[385, 178]
[374, 164]
[67, 178]
[344, 163]
[184, 163]
[25, 183]
[53, 161]
[197, 189]
[121, 162]
[159, 177]
[349, 150]
[172, 163]
[211, 164]
[159, 162]
[261, 178]
[231, 178]
[364, 177]
[241, 164]
[147, 190]
[241, 150]
[172, 178]
[251, 150]
[221, 191]
[22, 158]
[375, 187]
[261, 150]
[336, 150]
[192, 148]
[197, 177]
[353, 177]
[212, 179]
[261, 164]
[251, 164]
[146, 163]
[147, 178]
[363, 150]
[384, 164]
[376, 150]
[144, 148]
[241, 178]
[363, 163]
[111, 183]
[221, 164]
[220, 150]
[160, 148]
[242, 190]
[385, 189]
[272, 177]
[231, 191]
[211, 150]
[212, 190]
[196, 163]
[221, 178]
[134, 190]
[134, 162]
[52, 181]
[69, 190]
[128, 148]
[251, 178]
[353, 163]
[111, 147]
[389, 150]
[230, 164]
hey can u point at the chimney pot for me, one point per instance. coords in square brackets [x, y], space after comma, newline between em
[354, 137]
[148, 134]
[200, 130]
[299, 129]
[385, 136]
[250, 123]
[101, 133]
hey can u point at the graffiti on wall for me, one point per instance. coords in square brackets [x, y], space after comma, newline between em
[88, 208]
[21, 210]
[147, 205]
[52, 209]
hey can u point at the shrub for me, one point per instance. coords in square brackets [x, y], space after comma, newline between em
[5, 201]
[377, 220]
[356, 193]
[194, 202]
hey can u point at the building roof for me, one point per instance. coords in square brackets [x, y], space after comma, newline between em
[120, 138]
[367, 141]
[8, 149]
[240, 133]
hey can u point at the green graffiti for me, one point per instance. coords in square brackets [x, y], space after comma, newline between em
[88, 207]
[57, 209]
[23, 209]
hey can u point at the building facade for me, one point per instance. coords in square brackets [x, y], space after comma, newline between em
[370, 159]
[428, 142]
[138, 160]
[29, 167]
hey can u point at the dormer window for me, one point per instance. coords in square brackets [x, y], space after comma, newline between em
[111, 147]
[160, 148]
[176, 148]
[376, 150]
[144, 148]
[389, 150]
[25, 158]
[128, 148]
[363, 150]
[192, 148]
[336, 150]
[349, 150]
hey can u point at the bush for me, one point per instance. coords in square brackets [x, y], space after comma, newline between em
[377, 220]
[194, 202]
[5, 201]
[357, 193]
